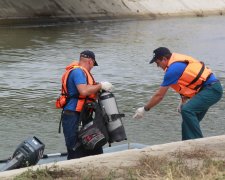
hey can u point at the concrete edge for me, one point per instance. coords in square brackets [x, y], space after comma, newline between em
[130, 157]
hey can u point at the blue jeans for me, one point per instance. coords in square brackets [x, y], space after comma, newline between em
[195, 109]
[70, 124]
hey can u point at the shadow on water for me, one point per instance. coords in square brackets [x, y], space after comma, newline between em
[33, 59]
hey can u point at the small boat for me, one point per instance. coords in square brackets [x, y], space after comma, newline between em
[30, 152]
[62, 156]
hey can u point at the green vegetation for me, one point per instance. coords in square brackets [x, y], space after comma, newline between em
[185, 165]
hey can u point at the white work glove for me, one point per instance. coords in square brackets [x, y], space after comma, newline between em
[107, 86]
[139, 113]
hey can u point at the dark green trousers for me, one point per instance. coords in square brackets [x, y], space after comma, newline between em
[195, 109]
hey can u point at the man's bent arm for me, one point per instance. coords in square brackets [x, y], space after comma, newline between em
[86, 90]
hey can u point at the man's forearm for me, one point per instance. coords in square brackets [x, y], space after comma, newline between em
[153, 101]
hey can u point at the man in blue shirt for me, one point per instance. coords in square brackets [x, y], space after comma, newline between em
[80, 85]
[197, 85]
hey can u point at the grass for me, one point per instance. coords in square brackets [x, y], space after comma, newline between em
[186, 165]
[53, 172]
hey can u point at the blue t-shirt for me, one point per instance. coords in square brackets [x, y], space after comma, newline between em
[75, 78]
[175, 71]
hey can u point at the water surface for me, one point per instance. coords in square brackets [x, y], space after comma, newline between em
[32, 60]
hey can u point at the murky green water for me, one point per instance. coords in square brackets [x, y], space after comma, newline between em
[32, 60]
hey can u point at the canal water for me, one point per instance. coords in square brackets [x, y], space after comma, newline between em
[32, 60]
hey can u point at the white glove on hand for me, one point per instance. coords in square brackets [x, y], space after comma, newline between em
[139, 113]
[107, 86]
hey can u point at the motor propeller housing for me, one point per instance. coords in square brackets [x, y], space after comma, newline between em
[28, 153]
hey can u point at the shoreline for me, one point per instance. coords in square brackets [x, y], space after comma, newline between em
[127, 158]
[48, 11]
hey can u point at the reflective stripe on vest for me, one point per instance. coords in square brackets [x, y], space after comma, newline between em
[193, 77]
[90, 81]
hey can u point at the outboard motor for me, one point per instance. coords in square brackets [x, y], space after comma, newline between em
[114, 125]
[27, 153]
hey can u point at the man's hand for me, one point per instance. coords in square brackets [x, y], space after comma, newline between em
[179, 107]
[139, 113]
[107, 86]
[182, 101]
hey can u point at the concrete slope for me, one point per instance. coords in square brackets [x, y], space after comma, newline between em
[79, 10]
[129, 158]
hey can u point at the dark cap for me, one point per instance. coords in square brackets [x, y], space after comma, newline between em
[159, 52]
[89, 54]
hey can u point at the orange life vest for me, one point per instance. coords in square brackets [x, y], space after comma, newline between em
[193, 77]
[64, 92]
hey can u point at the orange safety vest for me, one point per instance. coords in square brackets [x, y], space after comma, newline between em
[193, 77]
[64, 91]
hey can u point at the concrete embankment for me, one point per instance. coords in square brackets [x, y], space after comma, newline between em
[128, 158]
[77, 10]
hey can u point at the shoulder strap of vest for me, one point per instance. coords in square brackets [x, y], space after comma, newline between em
[199, 74]
[85, 72]
[65, 85]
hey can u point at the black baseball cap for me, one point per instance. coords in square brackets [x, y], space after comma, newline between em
[89, 54]
[159, 52]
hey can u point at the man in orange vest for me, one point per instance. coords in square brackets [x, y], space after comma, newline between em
[80, 86]
[197, 85]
